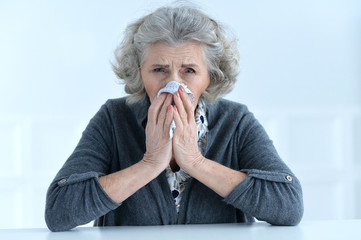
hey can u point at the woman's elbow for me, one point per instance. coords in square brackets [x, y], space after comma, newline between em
[296, 214]
[57, 216]
[291, 214]
[55, 220]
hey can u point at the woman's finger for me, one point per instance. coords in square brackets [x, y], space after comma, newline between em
[155, 108]
[169, 118]
[188, 106]
[180, 107]
[164, 109]
[177, 119]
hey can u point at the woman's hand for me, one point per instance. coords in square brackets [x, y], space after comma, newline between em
[158, 145]
[185, 140]
[122, 184]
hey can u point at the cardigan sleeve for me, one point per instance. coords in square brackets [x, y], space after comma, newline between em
[75, 196]
[271, 192]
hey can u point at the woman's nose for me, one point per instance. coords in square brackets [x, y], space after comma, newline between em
[174, 76]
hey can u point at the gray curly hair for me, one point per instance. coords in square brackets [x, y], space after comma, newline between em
[174, 26]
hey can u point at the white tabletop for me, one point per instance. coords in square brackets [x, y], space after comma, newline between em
[344, 229]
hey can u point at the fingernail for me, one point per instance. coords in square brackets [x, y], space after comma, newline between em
[169, 107]
[177, 94]
[181, 88]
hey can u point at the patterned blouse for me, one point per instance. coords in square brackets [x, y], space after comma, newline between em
[178, 180]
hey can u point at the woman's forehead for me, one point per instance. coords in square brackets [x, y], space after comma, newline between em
[185, 54]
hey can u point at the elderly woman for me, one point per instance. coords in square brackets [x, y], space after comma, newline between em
[174, 151]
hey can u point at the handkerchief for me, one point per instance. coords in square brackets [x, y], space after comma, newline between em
[172, 87]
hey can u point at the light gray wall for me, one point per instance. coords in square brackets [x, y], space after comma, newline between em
[300, 74]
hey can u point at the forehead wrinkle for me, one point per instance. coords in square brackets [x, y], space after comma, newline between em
[189, 65]
[166, 56]
[179, 61]
[161, 65]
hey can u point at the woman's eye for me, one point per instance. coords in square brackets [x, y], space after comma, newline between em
[158, 70]
[190, 70]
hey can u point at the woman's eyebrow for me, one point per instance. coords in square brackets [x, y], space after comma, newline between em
[160, 66]
[191, 65]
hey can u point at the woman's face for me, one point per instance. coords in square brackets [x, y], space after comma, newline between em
[184, 64]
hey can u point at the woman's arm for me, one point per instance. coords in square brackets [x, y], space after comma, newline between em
[217, 177]
[122, 184]
[75, 196]
[81, 198]
[269, 196]
[83, 190]
[264, 188]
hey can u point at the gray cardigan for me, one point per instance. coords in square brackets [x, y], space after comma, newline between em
[115, 139]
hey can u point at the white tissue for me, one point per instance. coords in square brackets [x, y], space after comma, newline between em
[172, 87]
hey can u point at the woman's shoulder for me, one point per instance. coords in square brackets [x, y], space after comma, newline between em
[116, 103]
[121, 104]
[224, 107]
[111, 106]
[224, 112]
[109, 110]
[120, 109]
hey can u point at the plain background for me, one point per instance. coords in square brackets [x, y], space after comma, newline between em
[300, 75]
